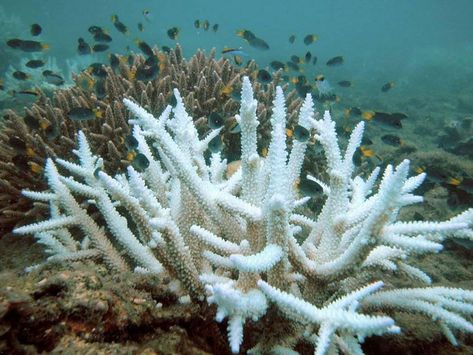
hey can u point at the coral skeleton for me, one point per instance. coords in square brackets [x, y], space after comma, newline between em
[242, 243]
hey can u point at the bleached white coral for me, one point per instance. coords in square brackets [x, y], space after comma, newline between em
[234, 241]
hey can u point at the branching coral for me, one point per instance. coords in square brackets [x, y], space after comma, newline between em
[46, 130]
[234, 241]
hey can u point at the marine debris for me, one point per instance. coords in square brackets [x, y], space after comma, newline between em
[242, 244]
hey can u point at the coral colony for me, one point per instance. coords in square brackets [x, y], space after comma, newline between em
[242, 242]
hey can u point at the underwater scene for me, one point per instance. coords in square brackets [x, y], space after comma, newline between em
[250, 177]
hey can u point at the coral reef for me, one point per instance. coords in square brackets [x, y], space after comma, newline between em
[241, 242]
[45, 130]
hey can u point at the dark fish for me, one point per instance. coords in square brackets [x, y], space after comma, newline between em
[100, 47]
[130, 60]
[292, 38]
[263, 76]
[31, 122]
[83, 47]
[95, 29]
[335, 61]
[356, 111]
[114, 61]
[146, 72]
[388, 86]
[345, 83]
[173, 32]
[197, 24]
[53, 78]
[102, 37]
[25, 93]
[17, 143]
[140, 163]
[19, 75]
[276, 65]
[166, 49]
[302, 134]
[119, 25]
[366, 140]
[99, 88]
[27, 46]
[35, 63]
[258, 43]
[140, 27]
[215, 27]
[308, 56]
[131, 142]
[296, 59]
[216, 144]
[235, 128]
[205, 25]
[35, 29]
[246, 35]
[144, 47]
[303, 89]
[20, 161]
[151, 60]
[390, 119]
[309, 188]
[96, 69]
[215, 120]
[391, 139]
[293, 66]
[81, 114]
[314, 60]
[310, 39]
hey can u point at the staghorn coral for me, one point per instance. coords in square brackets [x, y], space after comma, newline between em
[201, 81]
[233, 241]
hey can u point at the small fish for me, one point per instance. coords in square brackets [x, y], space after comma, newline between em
[392, 140]
[238, 60]
[205, 25]
[345, 83]
[258, 43]
[53, 78]
[35, 29]
[19, 75]
[293, 66]
[83, 47]
[20, 161]
[114, 61]
[388, 86]
[215, 27]
[95, 29]
[246, 35]
[314, 60]
[227, 90]
[264, 76]
[309, 39]
[276, 65]
[216, 144]
[173, 32]
[166, 49]
[303, 89]
[31, 122]
[102, 37]
[309, 188]
[368, 115]
[119, 25]
[234, 51]
[82, 114]
[197, 24]
[335, 61]
[131, 142]
[14, 43]
[140, 27]
[147, 15]
[25, 94]
[28, 46]
[301, 133]
[99, 89]
[35, 63]
[144, 47]
[308, 57]
[295, 59]
[390, 119]
[215, 120]
[140, 162]
[235, 128]
[100, 47]
[96, 69]
[366, 152]
[292, 39]
[366, 140]
[146, 72]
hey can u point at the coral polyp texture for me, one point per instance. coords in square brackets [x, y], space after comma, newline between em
[242, 243]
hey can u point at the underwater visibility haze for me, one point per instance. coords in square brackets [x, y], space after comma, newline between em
[262, 177]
